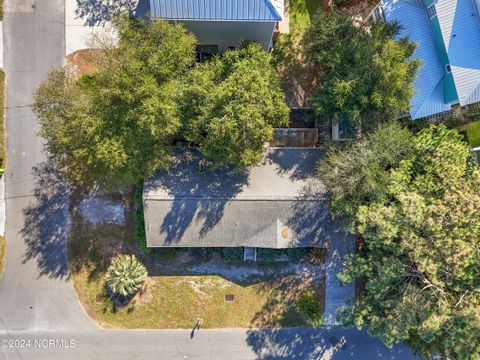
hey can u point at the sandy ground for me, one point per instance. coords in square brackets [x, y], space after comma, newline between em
[102, 211]
[239, 273]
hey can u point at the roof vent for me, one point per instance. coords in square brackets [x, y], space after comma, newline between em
[202, 165]
[432, 11]
[229, 297]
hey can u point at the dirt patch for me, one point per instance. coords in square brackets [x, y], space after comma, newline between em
[83, 62]
[102, 211]
[144, 296]
[298, 77]
[360, 9]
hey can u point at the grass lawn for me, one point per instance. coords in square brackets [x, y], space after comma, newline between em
[176, 301]
[1, 10]
[3, 251]
[473, 133]
[174, 298]
[301, 11]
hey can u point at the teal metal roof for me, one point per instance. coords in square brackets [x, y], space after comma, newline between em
[460, 27]
[448, 45]
[216, 10]
[429, 84]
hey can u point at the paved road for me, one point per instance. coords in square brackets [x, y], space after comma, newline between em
[37, 302]
[35, 291]
[230, 344]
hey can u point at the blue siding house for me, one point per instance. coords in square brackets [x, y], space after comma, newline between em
[220, 24]
[447, 33]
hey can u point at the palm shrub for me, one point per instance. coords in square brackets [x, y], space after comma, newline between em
[126, 275]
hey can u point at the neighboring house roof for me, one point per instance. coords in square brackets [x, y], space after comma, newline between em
[451, 37]
[277, 204]
[218, 10]
[460, 28]
[412, 16]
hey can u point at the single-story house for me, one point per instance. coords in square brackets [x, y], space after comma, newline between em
[220, 24]
[447, 33]
[280, 203]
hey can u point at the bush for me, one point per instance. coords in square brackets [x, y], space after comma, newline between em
[126, 275]
[140, 234]
[309, 306]
[165, 254]
[297, 254]
[269, 255]
[233, 254]
[202, 254]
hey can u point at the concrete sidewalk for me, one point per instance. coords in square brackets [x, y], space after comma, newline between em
[336, 293]
[83, 19]
[2, 206]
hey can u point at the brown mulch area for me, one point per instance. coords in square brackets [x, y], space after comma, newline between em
[82, 62]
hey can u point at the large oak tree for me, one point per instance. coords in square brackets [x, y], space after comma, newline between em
[231, 105]
[365, 75]
[113, 127]
[418, 211]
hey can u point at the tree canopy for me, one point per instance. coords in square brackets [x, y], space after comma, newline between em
[357, 173]
[231, 105]
[113, 127]
[421, 227]
[365, 75]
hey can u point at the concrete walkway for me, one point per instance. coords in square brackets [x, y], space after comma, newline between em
[2, 206]
[85, 18]
[336, 293]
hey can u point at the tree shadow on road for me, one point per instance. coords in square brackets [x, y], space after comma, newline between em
[99, 12]
[46, 223]
[295, 343]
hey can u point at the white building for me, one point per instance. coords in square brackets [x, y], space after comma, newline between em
[220, 24]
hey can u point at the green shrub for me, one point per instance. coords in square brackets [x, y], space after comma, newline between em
[165, 254]
[217, 250]
[140, 235]
[233, 254]
[297, 254]
[202, 254]
[126, 275]
[269, 255]
[472, 131]
[272, 255]
[309, 306]
[87, 80]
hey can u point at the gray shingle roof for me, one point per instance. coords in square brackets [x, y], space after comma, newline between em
[277, 204]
